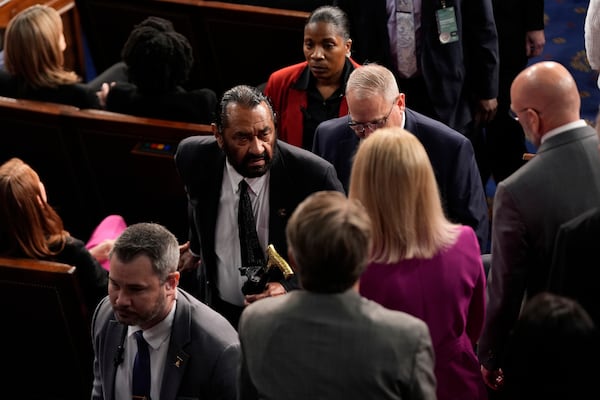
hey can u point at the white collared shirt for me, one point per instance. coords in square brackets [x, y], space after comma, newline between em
[227, 240]
[158, 344]
[563, 128]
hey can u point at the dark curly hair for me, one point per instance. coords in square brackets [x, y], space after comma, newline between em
[158, 58]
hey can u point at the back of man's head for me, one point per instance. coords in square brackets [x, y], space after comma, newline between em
[329, 240]
[548, 89]
[151, 240]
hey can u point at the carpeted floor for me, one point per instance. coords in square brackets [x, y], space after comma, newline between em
[564, 20]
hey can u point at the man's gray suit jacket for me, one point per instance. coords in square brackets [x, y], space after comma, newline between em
[559, 183]
[333, 346]
[202, 359]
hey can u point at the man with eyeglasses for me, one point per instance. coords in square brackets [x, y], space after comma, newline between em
[374, 101]
[559, 183]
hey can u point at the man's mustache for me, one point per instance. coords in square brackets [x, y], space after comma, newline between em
[250, 158]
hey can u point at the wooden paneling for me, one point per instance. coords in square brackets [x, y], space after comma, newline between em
[34, 132]
[47, 351]
[95, 163]
[233, 44]
[131, 167]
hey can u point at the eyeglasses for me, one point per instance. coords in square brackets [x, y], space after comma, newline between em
[514, 114]
[361, 127]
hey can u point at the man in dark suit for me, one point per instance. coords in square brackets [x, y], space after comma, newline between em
[193, 351]
[374, 101]
[559, 183]
[456, 77]
[280, 176]
[575, 273]
[520, 27]
[330, 342]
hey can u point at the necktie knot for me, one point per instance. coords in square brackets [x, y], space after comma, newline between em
[139, 338]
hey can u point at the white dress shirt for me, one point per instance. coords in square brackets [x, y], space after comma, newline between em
[227, 241]
[563, 128]
[158, 344]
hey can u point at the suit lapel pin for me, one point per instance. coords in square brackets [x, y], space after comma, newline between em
[282, 212]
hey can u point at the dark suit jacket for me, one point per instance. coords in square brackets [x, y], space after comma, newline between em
[559, 183]
[295, 173]
[514, 18]
[575, 271]
[76, 94]
[451, 156]
[455, 73]
[204, 343]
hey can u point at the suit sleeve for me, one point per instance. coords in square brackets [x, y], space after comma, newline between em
[476, 316]
[98, 387]
[481, 46]
[317, 147]
[183, 165]
[468, 204]
[563, 245]
[534, 14]
[246, 389]
[423, 383]
[506, 286]
[225, 383]
[331, 181]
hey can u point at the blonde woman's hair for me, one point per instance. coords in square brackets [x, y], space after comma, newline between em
[32, 48]
[393, 178]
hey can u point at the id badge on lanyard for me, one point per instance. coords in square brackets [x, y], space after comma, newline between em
[446, 23]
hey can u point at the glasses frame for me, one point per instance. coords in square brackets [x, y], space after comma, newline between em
[514, 114]
[361, 127]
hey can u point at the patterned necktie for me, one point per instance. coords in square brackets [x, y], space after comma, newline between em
[140, 383]
[252, 254]
[405, 31]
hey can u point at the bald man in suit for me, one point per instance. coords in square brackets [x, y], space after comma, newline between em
[559, 183]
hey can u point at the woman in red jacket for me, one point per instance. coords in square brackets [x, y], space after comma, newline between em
[308, 93]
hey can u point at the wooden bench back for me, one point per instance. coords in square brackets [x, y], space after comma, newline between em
[47, 347]
[35, 132]
[95, 163]
[233, 43]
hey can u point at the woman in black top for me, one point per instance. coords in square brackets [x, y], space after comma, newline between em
[33, 54]
[156, 63]
[30, 228]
